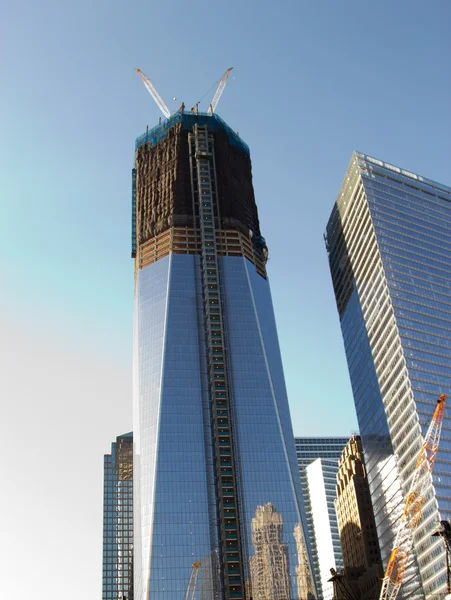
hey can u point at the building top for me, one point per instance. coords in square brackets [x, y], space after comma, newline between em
[188, 120]
[364, 163]
[121, 456]
[417, 178]
[319, 447]
[167, 188]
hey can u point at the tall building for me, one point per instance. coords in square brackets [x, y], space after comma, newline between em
[117, 581]
[389, 242]
[213, 436]
[358, 536]
[318, 466]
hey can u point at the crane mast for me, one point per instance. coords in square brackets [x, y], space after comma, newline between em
[153, 92]
[413, 508]
[191, 589]
[219, 90]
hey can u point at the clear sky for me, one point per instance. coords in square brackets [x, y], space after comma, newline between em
[312, 81]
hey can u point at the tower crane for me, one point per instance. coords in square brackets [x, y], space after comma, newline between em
[161, 104]
[413, 508]
[219, 90]
[153, 92]
[191, 589]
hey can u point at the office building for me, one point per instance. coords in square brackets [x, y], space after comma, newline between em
[389, 242]
[357, 528]
[117, 561]
[214, 451]
[318, 466]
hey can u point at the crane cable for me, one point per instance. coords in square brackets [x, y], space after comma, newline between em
[216, 83]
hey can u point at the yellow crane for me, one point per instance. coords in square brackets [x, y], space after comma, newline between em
[413, 508]
[191, 589]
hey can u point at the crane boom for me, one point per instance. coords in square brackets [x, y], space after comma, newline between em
[153, 92]
[191, 589]
[219, 90]
[413, 508]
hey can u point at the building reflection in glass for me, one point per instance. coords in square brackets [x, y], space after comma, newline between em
[209, 576]
[303, 575]
[269, 564]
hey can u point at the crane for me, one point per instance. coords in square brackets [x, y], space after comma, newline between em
[191, 589]
[153, 92]
[219, 90]
[413, 508]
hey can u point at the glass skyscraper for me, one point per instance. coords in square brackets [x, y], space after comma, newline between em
[216, 478]
[318, 467]
[118, 520]
[389, 243]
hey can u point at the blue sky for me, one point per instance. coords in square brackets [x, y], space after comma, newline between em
[312, 81]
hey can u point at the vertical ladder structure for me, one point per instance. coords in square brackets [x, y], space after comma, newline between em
[203, 179]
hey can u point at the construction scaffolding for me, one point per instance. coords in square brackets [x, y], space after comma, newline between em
[188, 120]
[161, 190]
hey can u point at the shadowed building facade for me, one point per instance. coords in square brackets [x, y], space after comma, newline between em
[117, 561]
[213, 435]
[389, 246]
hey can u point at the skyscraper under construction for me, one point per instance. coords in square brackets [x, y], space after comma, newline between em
[214, 449]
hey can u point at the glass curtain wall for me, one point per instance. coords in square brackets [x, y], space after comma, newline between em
[177, 501]
[388, 241]
[117, 561]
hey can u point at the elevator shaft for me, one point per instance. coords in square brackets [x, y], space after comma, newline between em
[203, 179]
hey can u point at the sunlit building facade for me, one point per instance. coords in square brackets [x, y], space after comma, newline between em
[117, 582]
[358, 536]
[318, 466]
[213, 437]
[269, 564]
[389, 243]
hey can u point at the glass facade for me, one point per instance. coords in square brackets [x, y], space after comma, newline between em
[323, 453]
[177, 499]
[388, 241]
[216, 478]
[117, 561]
